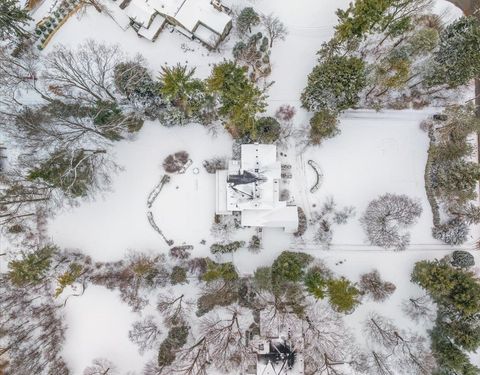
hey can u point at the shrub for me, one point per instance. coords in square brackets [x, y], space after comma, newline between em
[302, 223]
[373, 284]
[268, 130]
[255, 244]
[453, 232]
[215, 271]
[181, 252]
[231, 247]
[214, 164]
[462, 259]
[178, 275]
[175, 162]
[285, 113]
[323, 125]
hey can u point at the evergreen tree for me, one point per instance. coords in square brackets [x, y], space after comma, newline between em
[13, 20]
[334, 84]
[32, 268]
[323, 125]
[240, 99]
[316, 283]
[246, 19]
[457, 60]
[289, 267]
[73, 173]
[342, 295]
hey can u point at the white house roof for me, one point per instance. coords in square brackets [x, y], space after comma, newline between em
[194, 11]
[141, 12]
[251, 185]
[282, 217]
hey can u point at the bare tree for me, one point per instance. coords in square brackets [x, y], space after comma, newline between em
[192, 360]
[225, 338]
[101, 366]
[329, 346]
[145, 333]
[387, 216]
[420, 308]
[407, 351]
[274, 27]
[86, 73]
[175, 310]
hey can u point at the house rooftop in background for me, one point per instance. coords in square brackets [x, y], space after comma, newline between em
[251, 186]
[206, 20]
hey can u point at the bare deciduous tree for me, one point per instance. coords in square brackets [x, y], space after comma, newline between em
[85, 73]
[101, 366]
[274, 27]
[420, 308]
[387, 216]
[175, 310]
[407, 352]
[145, 333]
[225, 338]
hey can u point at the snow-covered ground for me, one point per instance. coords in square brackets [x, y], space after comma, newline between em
[376, 153]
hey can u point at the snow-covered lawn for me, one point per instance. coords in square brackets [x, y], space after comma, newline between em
[184, 210]
[98, 325]
[376, 153]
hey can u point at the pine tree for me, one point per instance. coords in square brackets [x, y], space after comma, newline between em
[32, 268]
[342, 295]
[240, 99]
[334, 84]
[246, 19]
[457, 60]
[13, 20]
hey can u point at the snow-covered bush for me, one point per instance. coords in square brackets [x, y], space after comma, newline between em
[255, 244]
[214, 164]
[386, 218]
[285, 113]
[302, 223]
[326, 218]
[181, 252]
[462, 259]
[175, 162]
[453, 232]
[371, 283]
[218, 248]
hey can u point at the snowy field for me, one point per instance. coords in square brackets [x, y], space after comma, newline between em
[376, 153]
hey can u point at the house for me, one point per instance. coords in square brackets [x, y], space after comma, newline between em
[278, 347]
[205, 20]
[251, 186]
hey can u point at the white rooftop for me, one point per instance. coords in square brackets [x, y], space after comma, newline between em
[252, 186]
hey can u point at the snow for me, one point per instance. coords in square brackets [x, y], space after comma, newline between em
[376, 153]
[194, 11]
[184, 209]
[98, 324]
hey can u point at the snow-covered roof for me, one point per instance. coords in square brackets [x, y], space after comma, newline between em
[151, 32]
[140, 12]
[193, 12]
[283, 217]
[251, 185]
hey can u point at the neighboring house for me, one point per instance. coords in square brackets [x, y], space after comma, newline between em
[278, 349]
[252, 186]
[205, 20]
